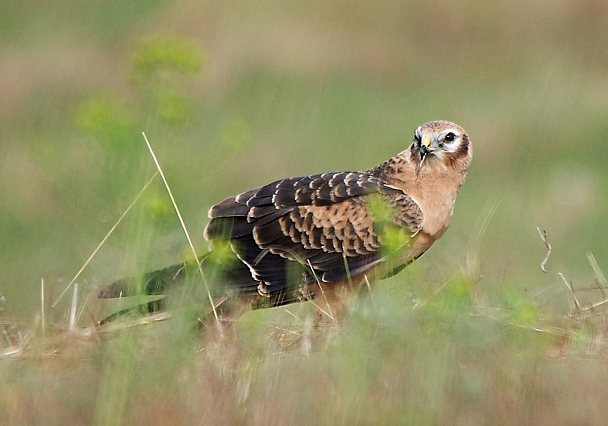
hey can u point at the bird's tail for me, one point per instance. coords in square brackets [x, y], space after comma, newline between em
[219, 283]
[153, 283]
[184, 283]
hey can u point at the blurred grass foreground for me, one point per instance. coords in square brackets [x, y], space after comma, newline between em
[236, 94]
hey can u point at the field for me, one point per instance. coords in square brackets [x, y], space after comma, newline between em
[491, 326]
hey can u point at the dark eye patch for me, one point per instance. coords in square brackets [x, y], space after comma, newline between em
[449, 137]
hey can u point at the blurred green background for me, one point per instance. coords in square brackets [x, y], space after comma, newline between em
[234, 94]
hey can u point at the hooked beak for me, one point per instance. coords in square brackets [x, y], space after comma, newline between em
[425, 148]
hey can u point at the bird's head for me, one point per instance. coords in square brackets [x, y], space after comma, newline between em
[443, 142]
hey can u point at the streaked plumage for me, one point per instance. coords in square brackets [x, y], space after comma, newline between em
[297, 234]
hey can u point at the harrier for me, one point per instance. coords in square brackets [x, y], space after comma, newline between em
[318, 236]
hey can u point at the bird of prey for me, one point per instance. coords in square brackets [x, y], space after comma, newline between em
[318, 236]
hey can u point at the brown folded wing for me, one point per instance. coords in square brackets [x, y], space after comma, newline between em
[322, 227]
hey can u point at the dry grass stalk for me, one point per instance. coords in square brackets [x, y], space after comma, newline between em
[183, 224]
[86, 263]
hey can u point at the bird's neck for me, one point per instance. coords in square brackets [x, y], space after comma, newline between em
[433, 186]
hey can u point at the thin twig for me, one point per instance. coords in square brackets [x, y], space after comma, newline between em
[330, 314]
[42, 314]
[541, 291]
[181, 221]
[294, 316]
[543, 236]
[595, 305]
[423, 303]
[84, 307]
[577, 305]
[474, 243]
[121, 325]
[104, 239]
[601, 279]
[323, 311]
[72, 323]
[371, 295]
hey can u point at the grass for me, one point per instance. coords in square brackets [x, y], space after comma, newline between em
[452, 357]
[472, 332]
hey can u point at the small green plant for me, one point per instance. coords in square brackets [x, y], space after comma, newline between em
[163, 71]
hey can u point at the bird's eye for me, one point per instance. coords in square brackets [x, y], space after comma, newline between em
[449, 137]
[417, 137]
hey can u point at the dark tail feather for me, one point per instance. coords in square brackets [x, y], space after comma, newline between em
[184, 284]
[160, 282]
[227, 278]
[156, 282]
[141, 310]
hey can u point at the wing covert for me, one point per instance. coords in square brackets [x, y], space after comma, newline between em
[332, 224]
